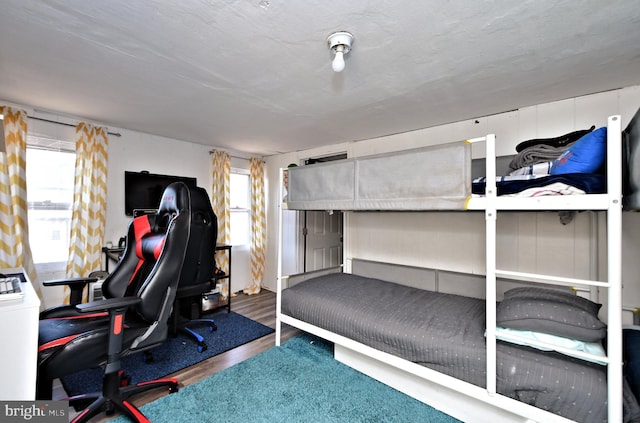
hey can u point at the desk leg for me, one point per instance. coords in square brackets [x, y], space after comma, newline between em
[229, 282]
[106, 262]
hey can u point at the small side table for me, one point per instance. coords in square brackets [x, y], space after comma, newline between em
[225, 247]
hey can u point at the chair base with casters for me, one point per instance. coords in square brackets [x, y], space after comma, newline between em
[184, 305]
[114, 396]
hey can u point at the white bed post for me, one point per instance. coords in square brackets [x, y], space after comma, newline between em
[279, 248]
[490, 219]
[614, 254]
[490, 254]
[346, 242]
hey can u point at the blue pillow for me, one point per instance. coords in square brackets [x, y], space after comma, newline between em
[585, 156]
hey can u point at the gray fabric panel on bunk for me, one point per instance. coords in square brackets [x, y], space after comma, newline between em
[446, 333]
[429, 178]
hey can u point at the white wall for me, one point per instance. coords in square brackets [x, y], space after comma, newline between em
[136, 151]
[534, 242]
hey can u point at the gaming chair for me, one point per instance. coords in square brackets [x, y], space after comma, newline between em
[197, 277]
[139, 296]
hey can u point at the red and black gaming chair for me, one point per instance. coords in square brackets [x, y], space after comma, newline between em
[139, 296]
[197, 277]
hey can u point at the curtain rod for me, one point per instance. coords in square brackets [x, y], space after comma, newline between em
[233, 157]
[116, 134]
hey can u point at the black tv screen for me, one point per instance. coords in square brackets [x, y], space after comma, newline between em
[143, 190]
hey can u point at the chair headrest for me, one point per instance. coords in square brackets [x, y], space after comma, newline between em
[199, 199]
[175, 199]
[201, 210]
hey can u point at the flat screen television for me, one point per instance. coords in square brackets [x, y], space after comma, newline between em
[143, 190]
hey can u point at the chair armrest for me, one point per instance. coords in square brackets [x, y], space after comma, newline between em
[117, 308]
[76, 285]
[108, 304]
[69, 281]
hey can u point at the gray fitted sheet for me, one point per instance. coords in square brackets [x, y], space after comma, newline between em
[446, 333]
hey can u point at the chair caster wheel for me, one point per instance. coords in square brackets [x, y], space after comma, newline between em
[202, 347]
[147, 357]
[173, 389]
[212, 327]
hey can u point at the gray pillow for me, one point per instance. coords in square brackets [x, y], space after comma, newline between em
[551, 311]
[567, 297]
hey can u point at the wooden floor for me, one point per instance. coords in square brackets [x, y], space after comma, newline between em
[260, 307]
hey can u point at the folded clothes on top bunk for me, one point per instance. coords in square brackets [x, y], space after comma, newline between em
[560, 141]
[587, 183]
[556, 166]
[583, 155]
[545, 150]
[534, 169]
[535, 155]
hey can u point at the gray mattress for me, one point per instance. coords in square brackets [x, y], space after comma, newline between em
[446, 333]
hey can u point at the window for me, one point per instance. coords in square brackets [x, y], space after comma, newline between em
[240, 207]
[50, 178]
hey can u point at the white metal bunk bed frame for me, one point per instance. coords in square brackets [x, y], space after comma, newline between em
[444, 392]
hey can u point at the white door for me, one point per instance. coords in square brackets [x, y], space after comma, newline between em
[323, 240]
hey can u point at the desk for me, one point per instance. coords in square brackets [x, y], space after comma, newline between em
[227, 276]
[111, 254]
[114, 254]
[19, 352]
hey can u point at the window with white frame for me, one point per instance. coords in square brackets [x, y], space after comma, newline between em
[50, 177]
[240, 207]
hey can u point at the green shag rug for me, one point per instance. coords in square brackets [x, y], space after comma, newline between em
[296, 382]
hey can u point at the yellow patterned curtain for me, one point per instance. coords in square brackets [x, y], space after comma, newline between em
[221, 204]
[89, 201]
[258, 225]
[14, 245]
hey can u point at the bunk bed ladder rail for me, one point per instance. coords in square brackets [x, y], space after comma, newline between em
[614, 254]
[614, 276]
[490, 213]
[279, 277]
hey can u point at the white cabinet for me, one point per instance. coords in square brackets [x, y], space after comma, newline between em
[19, 351]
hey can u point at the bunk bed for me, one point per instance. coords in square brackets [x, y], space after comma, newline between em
[443, 349]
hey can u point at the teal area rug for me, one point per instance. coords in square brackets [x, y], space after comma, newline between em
[176, 353]
[296, 382]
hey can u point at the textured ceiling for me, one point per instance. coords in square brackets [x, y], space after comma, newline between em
[255, 75]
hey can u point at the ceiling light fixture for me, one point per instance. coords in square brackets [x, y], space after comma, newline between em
[340, 44]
